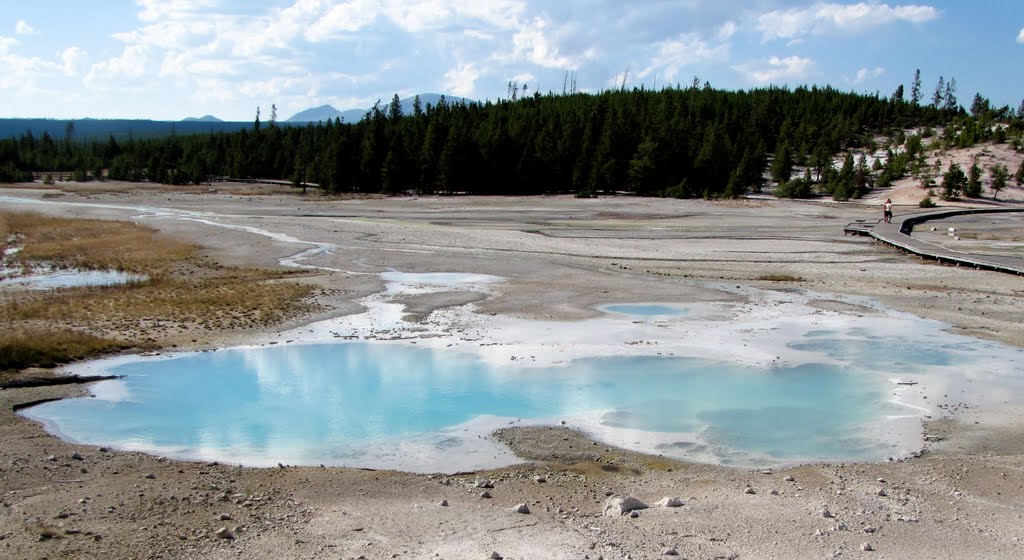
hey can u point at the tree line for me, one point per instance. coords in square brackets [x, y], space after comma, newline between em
[679, 142]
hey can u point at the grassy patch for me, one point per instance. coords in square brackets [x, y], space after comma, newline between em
[185, 298]
[49, 348]
[780, 278]
[91, 244]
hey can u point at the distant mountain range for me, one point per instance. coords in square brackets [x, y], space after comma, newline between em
[327, 112]
[122, 129]
[204, 118]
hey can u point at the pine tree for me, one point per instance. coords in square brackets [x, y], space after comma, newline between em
[979, 106]
[782, 165]
[939, 95]
[973, 187]
[915, 89]
[999, 174]
[897, 96]
[949, 99]
[953, 182]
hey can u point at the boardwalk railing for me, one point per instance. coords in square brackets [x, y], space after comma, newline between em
[897, 234]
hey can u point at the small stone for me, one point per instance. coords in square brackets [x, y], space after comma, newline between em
[150, 476]
[825, 512]
[670, 502]
[866, 547]
[483, 483]
[670, 552]
[621, 505]
[485, 494]
[774, 492]
[882, 492]
[539, 478]
[869, 529]
[225, 533]
[789, 478]
[749, 490]
[77, 456]
[224, 517]
[495, 556]
[634, 514]
[444, 503]
[522, 508]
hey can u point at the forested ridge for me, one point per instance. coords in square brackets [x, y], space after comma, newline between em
[681, 142]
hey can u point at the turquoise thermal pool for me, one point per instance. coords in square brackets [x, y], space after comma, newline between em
[349, 403]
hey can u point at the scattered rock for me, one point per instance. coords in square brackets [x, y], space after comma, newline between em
[150, 476]
[522, 508]
[825, 512]
[485, 494]
[225, 533]
[869, 529]
[634, 514]
[866, 547]
[444, 503]
[882, 492]
[224, 517]
[670, 502]
[620, 505]
[670, 552]
[789, 478]
[495, 556]
[77, 456]
[539, 478]
[774, 492]
[749, 490]
[483, 483]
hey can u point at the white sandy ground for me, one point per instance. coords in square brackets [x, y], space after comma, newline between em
[559, 259]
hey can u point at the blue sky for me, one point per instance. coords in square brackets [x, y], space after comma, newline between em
[169, 59]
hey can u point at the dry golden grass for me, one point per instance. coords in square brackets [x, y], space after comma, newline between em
[34, 347]
[91, 244]
[185, 299]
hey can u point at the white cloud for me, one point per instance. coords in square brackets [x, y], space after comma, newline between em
[865, 74]
[71, 60]
[343, 19]
[461, 80]
[726, 30]
[23, 28]
[822, 18]
[114, 72]
[1020, 36]
[153, 10]
[684, 50]
[533, 44]
[6, 43]
[777, 70]
[31, 75]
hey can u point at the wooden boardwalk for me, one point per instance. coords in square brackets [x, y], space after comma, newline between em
[897, 234]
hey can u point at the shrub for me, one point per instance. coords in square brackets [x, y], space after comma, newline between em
[926, 202]
[796, 188]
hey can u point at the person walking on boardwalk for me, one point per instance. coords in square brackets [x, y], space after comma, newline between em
[887, 214]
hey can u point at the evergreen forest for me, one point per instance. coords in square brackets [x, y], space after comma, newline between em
[676, 142]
